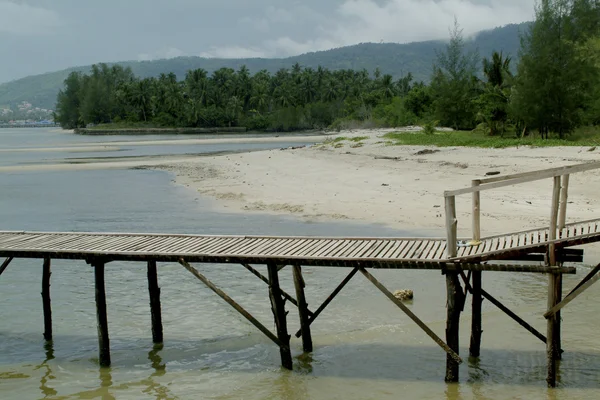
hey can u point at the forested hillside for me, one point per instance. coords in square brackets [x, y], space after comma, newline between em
[555, 89]
[394, 59]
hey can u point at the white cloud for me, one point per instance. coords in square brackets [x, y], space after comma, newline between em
[23, 19]
[401, 21]
[171, 52]
[233, 52]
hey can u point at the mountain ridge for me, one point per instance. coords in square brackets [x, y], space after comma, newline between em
[391, 58]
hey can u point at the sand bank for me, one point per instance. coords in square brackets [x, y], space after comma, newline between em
[399, 186]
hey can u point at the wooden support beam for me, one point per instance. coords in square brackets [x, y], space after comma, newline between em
[266, 280]
[455, 304]
[5, 264]
[307, 344]
[280, 267]
[571, 296]
[155, 308]
[412, 316]
[46, 299]
[514, 316]
[475, 345]
[564, 195]
[330, 298]
[476, 211]
[589, 276]
[279, 314]
[102, 319]
[230, 301]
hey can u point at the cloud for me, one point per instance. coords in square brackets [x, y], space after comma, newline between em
[233, 52]
[401, 21]
[171, 52]
[23, 19]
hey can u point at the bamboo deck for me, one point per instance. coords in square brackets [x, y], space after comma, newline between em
[400, 253]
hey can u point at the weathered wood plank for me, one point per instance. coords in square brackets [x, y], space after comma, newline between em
[455, 303]
[476, 301]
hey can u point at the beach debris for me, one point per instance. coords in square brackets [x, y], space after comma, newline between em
[491, 173]
[592, 148]
[292, 148]
[425, 152]
[385, 184]
[464, 243]
[403, 294]
[387, 158]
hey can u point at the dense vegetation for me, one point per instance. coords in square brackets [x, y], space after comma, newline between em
[391, 58]
[555, 90]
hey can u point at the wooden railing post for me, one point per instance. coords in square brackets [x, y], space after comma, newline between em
[451, 227]
[476, 211]
[564, 195]
[554, 221]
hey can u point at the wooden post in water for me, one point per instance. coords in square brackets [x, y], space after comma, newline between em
[307, 344]
[155, 311]
[455, 295]
[475, 346]
[552, 336]
[102, 319]
[46, 299]
[476, 211]
[278, 307]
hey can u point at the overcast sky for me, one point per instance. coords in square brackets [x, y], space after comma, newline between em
[38, 36]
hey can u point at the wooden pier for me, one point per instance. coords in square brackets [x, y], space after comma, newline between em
[461, 260]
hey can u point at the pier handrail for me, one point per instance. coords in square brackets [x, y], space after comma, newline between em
[558, 211]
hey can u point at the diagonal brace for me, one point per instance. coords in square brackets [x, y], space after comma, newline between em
[412, 316]
[230, 301]
[329, 299]
[588, 281]
[5, 264]
[266, 280]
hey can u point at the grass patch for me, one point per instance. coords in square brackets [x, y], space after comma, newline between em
[581, 137]
[358, 138]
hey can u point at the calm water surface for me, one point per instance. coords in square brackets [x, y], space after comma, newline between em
[365, 348]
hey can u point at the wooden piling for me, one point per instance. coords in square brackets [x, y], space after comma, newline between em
[46, 300]
[155, 309]
[302, 310]
[475, 345]
[278, 308]
[455, 303]
[551, 350]
[554, 221]
[103, 339]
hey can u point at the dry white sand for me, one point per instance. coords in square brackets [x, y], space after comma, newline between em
[363, 184]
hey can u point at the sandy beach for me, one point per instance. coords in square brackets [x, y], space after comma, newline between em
[399, 186]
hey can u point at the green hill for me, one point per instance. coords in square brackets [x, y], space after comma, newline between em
[391, 58]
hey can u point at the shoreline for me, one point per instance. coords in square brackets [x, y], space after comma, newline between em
[399, 187]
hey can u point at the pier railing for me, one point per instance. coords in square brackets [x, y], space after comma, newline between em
[558, 212]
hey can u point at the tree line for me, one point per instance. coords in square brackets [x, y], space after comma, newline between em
[555, 89]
